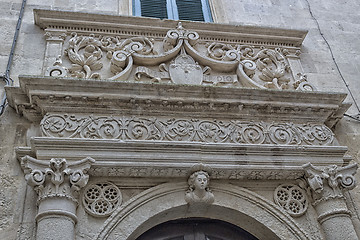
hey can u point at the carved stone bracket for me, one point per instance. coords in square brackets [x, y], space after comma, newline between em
[56, 178]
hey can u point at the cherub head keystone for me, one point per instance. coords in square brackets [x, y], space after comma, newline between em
[199, 191]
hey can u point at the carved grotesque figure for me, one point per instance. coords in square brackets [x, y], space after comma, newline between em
[199, 191]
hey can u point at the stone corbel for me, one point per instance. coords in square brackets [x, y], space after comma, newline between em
[327, 187]
[57, 184]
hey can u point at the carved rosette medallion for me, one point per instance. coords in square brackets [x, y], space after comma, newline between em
[101, 199]
[56, 178]
[292, 199]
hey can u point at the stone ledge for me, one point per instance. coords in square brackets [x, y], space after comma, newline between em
[37, 96]
[174, 159]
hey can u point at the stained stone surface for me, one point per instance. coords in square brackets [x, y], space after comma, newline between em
[331, 25]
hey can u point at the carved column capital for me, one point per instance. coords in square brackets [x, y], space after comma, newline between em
[331, 181]
[57, 177]
[327, 186]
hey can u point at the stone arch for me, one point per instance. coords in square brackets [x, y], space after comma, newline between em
[233, 204]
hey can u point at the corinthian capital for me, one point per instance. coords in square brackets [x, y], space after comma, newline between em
[57, 177]
[331, 181]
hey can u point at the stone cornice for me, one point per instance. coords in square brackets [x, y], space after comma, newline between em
[128, 25]
[37, 96]
[228, 161]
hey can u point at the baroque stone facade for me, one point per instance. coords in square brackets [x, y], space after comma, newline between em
[132, 122]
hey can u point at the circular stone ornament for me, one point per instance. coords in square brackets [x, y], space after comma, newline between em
[101, 199]
[292, 199]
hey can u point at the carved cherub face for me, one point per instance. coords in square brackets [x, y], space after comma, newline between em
[199, 180]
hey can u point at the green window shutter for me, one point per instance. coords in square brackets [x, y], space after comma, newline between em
[190, 10]
[153, 8]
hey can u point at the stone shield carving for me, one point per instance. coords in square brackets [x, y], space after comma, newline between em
[184, 70]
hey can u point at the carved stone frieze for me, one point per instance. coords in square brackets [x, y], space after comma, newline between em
[56, 178]
[231, 174]
[181, 59]
[193, 130]
[101, 199]
[330, 182]
[292, 199]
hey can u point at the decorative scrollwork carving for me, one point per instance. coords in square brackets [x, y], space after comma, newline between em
[85, 53]
[222, 52]
[271, 71]
[56, 178]
[331, 181]
[212, 131]
[292, 199]
[259, 67]
[101, 199]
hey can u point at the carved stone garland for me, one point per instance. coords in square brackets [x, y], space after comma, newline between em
[57, 184]
[179, 60]
[151, 128]
[327, 186]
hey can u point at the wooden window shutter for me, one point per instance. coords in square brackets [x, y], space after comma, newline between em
[154, 8]
[190, 10]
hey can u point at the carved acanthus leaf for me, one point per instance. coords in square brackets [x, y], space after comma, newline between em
[56, 178]
[331, 181]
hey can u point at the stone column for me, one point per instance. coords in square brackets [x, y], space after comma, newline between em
[327, 188]
[57, 184]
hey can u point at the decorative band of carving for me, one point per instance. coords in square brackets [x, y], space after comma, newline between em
[334, 213]
[190, 130]
[231, 174]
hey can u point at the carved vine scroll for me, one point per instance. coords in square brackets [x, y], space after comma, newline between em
[180, 58]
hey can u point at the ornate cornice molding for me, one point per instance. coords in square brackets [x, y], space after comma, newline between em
[37, 96]
[150, 27]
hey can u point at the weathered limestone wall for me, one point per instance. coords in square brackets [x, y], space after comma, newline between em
[336, 21]
[333, 39]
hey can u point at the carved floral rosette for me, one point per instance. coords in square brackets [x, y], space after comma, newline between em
[101, 199]
[193, 130]
[292, 199]
[142, 58]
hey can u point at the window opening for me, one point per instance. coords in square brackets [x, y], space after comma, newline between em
[193, 10]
